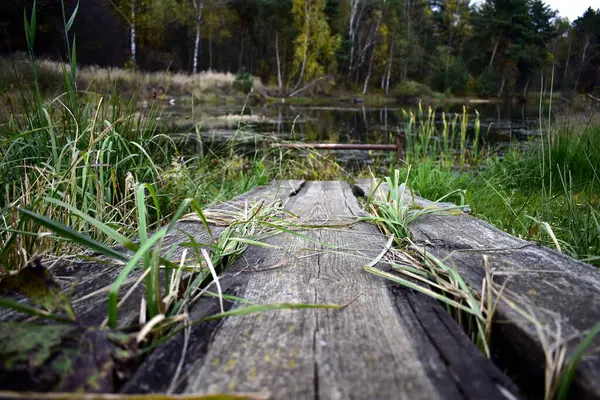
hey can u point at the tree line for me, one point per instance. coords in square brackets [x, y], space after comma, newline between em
[491, 48]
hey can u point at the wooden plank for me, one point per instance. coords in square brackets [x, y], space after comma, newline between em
[86, 277]
[387, 342]
[278, 190]
[561, 293]
[334, 146]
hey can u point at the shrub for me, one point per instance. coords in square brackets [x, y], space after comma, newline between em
[458, 77]
[486, 83]
[243, 81]
[471, 85]
[409, 88]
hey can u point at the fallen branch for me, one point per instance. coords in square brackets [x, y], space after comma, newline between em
[309, 85]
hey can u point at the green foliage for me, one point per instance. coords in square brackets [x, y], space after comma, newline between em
[314, 46]
[130, 65]
[510, 37]
[90, 155]
[244, 81]
[455, 78]
[586, 32]
[395, 212]
[297, 41]
[458, 77]
[149, 12]
[485, 84]
[410, 88]
[449, 143]
[556, 183]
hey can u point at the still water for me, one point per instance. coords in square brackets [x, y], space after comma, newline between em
[356, 123]
[501, 123]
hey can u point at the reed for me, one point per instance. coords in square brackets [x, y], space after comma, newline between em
[449, 140]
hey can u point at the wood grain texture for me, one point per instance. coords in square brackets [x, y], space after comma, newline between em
[560, 292]
[85, 277]
[386, 343]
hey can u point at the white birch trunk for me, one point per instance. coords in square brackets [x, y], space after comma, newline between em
[389, 71]
[199, 9]
[568, 56]
[585, 47]
[366, 85]
[355, 17]
[583, 56]
[502, 82]
[133, 49]
[374, 45]
[525, 90]
[494, 54]
[351, 32]
[279, 77]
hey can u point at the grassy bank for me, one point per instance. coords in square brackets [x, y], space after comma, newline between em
[206, 87]
[548, 192]
[96, 167]
[16, 74]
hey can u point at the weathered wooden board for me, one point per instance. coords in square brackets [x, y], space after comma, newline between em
[387, 342]
[561, 293]
[83, 278]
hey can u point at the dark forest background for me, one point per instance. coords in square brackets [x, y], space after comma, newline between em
[492, 48]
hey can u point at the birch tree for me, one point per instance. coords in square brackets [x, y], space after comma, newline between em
[315, 46]
[379, 37]
[357, 8]
[146, 19]
[198, 8]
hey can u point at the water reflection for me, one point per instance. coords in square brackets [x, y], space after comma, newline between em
[360, 124]
[501, 123]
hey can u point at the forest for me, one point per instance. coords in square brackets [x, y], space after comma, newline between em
[493, 48]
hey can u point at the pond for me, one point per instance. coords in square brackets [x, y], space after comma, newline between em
[501, 123]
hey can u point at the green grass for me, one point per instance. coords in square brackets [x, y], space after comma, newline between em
[84, 175]
[420, 270]
[417, 269]
[557, 184]
[547, 192]
[449, 144]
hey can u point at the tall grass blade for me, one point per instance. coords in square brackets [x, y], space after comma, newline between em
[569, 374]
[72, 235]
[24, 308]
[131, 264]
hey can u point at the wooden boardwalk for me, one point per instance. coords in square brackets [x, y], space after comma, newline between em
[550, 301]
[388, 342]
